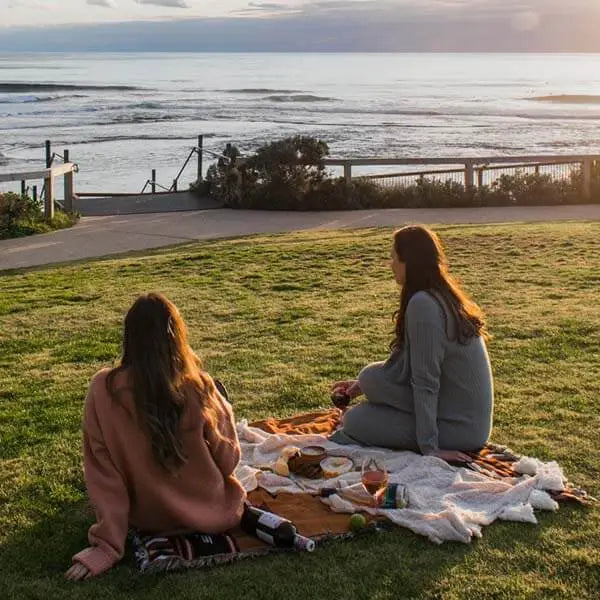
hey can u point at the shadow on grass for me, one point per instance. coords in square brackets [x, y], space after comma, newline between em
[385, 565]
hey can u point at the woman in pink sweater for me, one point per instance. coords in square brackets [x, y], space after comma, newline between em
[160, 444]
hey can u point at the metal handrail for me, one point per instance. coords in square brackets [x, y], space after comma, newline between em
[54, 155]
[217, 154]
[156, 184]
[194, 150]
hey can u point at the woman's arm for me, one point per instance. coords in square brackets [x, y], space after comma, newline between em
[425, 327]
[108, 494]
[225, 452]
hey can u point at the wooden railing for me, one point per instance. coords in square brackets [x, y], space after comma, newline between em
[66, 169]
[473, 166]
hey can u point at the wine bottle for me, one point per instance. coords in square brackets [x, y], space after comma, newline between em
[274, 530]
[394, 495]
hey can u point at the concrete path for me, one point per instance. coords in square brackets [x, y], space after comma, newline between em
[101, 236]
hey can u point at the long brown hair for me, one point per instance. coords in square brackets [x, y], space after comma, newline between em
[164, 373]
[421, 251]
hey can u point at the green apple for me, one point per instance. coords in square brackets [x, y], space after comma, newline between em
[357, 522]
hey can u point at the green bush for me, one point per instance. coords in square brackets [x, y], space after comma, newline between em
[281, 175]
[17, 212]
[21, 216]
[223, 179]
[530, 189]
[290, 175]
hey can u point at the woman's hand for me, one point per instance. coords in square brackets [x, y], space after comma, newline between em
[350, 387]
[452, 456]
[77, 572]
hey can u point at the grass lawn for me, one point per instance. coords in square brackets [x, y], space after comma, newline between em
[278, 318]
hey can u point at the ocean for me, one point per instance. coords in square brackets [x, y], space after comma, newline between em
[121, 115]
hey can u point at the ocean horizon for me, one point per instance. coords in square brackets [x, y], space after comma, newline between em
[123, 114]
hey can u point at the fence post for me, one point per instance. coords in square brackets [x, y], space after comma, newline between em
[23, 188]
[68, 185]
[153, 181]
[587, 179]
[199, 151]
[49, 196]
[469, 181]
[48, 147]
[48, 154]
[348, 172]
[174, 188]
[34, 193]
[480, 176]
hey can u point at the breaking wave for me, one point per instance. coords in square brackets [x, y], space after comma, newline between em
[24, 88]
[298, 98]
[30, 99]
[568, 99]
[260, 91]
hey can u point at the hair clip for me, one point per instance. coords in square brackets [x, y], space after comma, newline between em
[170, 330]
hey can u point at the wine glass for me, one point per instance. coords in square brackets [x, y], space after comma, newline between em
[374, 475]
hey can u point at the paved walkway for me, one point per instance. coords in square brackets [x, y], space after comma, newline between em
[101, 236]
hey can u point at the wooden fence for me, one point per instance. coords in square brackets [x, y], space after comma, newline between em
[473, 170]
[49, 174]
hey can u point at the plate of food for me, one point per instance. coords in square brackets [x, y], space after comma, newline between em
[334, 466]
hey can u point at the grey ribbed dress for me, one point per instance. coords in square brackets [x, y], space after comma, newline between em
[435, 393]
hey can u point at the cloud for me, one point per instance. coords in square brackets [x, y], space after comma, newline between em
[340, 26]
[523, 11]
[105, 3]
[266, 5]
[265, 9]
[170, 3]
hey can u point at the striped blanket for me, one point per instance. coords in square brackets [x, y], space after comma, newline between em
[311, 517]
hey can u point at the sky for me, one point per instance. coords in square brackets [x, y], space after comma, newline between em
[301, 25]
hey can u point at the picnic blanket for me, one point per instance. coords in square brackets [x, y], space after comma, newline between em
[446, 503]
[494, 460]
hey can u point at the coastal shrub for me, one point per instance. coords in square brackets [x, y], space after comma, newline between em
[290, 175]
[21, 216]
[17, 211]
[528, 189]
[223, 179]
[280, 175]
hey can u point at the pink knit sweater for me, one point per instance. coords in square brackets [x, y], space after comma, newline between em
[127, 487]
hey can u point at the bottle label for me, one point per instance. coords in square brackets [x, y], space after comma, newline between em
[395, 496]
[270, 520]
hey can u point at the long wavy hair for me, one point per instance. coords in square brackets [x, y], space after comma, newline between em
[421, 251]
[164, 374]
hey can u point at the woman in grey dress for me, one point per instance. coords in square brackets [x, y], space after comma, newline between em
[434, 393]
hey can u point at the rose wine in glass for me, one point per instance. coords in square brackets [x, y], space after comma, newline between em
[374, 474]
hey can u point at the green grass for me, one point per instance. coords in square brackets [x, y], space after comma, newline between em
[278, 318]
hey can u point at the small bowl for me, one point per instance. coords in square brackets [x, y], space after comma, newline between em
[307, 462]
[312, 454]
